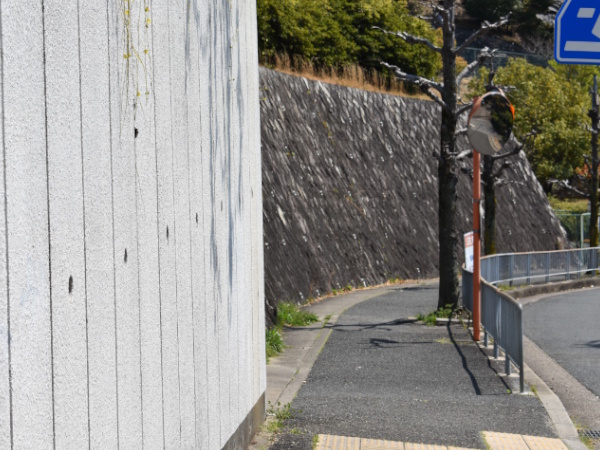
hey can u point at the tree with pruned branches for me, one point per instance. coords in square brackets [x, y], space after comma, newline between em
[446, 95]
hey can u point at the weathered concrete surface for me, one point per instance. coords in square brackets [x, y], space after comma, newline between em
[350, 190]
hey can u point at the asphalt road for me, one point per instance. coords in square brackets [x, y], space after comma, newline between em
[383, 376]
[567, 328]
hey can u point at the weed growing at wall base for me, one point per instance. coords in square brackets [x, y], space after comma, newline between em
[278, 415]
[274, 342]
[288, 314]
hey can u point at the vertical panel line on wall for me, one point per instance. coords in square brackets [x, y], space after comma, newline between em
[5, 218]
[137, 240]
[160, 291]
[85, 280]
[175, 234]
[112, 196]
[48, 218]
[190, 214]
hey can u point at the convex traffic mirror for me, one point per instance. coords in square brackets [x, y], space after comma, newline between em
[490, 122]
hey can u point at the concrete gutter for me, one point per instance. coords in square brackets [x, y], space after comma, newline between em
[551, 288]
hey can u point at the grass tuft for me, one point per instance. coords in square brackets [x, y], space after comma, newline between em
[277, 417]
[289, 314]
[431, 318]
[274, 342]
[315, 441]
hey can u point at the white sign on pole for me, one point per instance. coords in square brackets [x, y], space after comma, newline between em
[469, 239]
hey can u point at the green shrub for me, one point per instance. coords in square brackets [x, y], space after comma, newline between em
[339, 33]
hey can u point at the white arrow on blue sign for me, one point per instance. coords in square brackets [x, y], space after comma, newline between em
[577, 32]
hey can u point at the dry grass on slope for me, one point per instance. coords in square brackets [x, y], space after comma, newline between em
[350, 76]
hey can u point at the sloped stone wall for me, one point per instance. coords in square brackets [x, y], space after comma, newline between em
[350, 190]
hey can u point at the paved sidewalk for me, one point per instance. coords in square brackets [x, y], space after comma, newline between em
[372, 372]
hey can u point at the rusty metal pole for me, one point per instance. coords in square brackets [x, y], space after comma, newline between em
[476, 247]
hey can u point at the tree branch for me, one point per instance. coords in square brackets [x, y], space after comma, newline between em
[425, 84]
[486, 27]
[514, 151]
[565, 184]
[435, 7]
[464, 109]
[464, 154]
[483, 56]
[433, 97]
[415, 79]
[410, 39]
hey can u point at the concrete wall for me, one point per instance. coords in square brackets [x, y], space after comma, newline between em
[350, 190]
[131, 277]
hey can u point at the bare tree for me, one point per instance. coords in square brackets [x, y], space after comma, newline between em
[446, 95]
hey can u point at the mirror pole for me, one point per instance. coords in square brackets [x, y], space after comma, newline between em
[476, 247]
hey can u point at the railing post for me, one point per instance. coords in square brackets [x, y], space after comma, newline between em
[511, 263]
[547, 267]
[497, 261]
[507, 364]
[528, 281]
[581, 236]
[568, 275]
[496, 351]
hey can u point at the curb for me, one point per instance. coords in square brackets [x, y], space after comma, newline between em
[551, 288]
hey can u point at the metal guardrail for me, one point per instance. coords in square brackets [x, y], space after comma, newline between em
[501, 315]
[501, 318]
[539, 267]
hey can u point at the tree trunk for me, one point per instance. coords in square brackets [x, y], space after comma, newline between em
[447, 177]
[593, 114]
[489, 194]
[448, 235]
[594, 191]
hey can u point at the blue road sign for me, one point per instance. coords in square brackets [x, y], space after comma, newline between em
[577, 32]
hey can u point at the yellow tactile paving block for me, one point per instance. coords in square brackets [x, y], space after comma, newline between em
[542, 443]
[330, 442]
[378, 444]
[506, 441]
[413, 446]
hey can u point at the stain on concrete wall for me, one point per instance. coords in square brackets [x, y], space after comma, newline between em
[350, 190]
